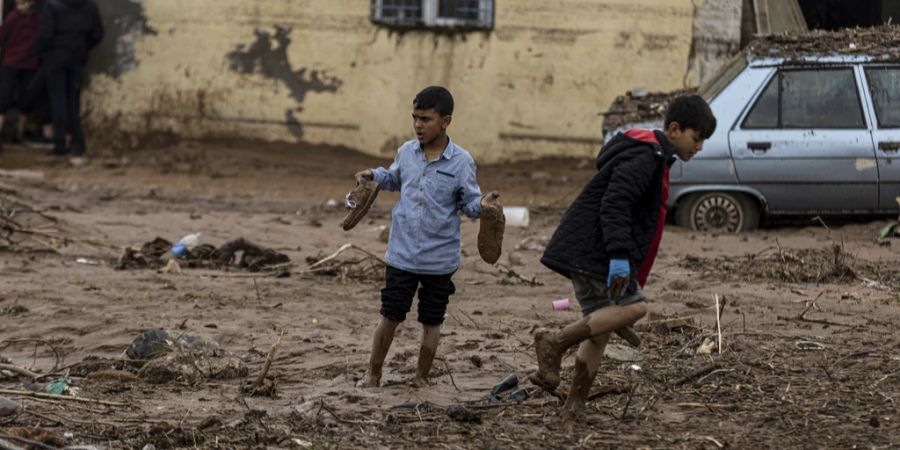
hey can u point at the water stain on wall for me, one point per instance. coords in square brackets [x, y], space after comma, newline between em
[261, 57]
[124, 23]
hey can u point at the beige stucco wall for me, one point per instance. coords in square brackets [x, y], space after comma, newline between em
[533, 86]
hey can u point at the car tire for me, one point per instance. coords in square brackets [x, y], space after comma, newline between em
[719, 212]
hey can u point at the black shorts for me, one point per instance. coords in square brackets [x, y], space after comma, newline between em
[13, 83]
[400, 288]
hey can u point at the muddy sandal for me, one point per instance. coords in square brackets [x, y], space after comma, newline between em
[490, 233]
[358, 201]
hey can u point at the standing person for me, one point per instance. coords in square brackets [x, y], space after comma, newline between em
[18, 34]
[69, 30]
[608, 238]
[436, 180]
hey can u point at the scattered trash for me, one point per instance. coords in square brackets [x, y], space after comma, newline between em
[519, 395]
[368, 268]
[331, 203]
[302, 442]
[638, 91]
[89, 262]
[510, 382]
[159, 253]
[185, 244]
[58, 386]
[9, 407]
[706, 347]
[561, 304]
[516, 216]
[635, 367]
[809, 346]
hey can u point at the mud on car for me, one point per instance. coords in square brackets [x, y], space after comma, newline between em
[808, 124]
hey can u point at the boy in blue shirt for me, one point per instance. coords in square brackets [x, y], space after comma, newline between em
[436, 180]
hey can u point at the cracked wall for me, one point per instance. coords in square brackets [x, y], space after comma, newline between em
[320, 71]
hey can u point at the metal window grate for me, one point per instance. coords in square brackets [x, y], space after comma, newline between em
[469, 14]
[401, 10]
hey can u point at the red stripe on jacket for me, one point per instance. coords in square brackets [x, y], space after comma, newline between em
[647, 264]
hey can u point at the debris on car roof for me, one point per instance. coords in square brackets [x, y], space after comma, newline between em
[881, 42]
[639, 107]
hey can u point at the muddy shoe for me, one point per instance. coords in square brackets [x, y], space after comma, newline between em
[490, 233]
[549, 360]
[358, 201]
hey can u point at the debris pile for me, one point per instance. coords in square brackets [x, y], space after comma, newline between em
[156, 253]
[831, 265]
[367, 268]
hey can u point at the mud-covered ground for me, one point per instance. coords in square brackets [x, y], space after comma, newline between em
[810, 355]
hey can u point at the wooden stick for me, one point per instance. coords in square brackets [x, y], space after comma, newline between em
[266, 365]
[19, 370]
[718, 322]
[59, 397]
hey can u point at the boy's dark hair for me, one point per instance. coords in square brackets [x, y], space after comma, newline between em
[437, 98]
[692, 111]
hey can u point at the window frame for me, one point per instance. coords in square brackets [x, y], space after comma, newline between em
[866, 68]
[432, 20]
[778, 76]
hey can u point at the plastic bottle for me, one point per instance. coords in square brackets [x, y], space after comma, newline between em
[186, 243]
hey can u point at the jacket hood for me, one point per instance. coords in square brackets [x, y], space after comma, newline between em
[653, 139]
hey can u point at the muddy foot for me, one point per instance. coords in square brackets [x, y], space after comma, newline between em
[420, 382]
[369, 381]
[549, 360]
[573, 409]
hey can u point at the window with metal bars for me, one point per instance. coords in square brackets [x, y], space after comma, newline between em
[463, 14]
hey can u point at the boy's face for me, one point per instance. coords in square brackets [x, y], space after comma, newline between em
[428, 125]
[687, 141]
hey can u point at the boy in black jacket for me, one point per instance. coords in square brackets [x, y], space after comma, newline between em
[607, 240]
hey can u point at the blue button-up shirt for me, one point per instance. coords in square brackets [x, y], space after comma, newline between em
[424, 235]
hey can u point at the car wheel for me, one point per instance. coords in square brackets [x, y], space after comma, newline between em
[719, 212]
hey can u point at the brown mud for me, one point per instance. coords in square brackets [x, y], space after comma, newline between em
[810, 356]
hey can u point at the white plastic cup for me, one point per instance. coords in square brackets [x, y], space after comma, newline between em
[516, 216]
[561, 304]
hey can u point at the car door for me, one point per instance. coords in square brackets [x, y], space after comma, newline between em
[884, 89]
[805, 145]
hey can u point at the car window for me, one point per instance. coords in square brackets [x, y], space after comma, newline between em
[820, 99]
[765, 112]
[798, 98]
[884, 84]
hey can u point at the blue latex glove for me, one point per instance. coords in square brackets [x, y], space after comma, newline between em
[618, 268]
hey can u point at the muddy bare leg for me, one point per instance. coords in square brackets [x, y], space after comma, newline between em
[381, 343]
[587, 361]
[551, 347]
[431, 336]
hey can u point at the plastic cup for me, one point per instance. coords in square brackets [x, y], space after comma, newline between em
[561, 304]
[516, 216]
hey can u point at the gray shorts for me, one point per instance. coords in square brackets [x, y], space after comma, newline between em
[592, 294]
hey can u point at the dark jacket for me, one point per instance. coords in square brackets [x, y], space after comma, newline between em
[617, 212]
[70, 26]
[17, 37]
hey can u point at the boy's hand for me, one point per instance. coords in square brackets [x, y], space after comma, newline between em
[489, 199]
[618, 268]
[365, 174]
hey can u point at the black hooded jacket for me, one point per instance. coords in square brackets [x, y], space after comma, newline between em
[69, 26]
[617, 212]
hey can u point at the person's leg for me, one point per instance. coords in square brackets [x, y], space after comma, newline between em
[434, 296]
[8, 79]
[601, 317]
[73, 109]
[396, 300]
[56, 91]
[587, 361]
